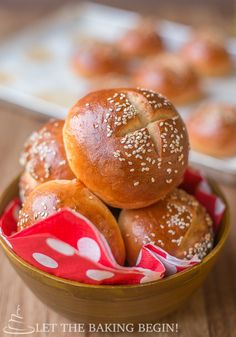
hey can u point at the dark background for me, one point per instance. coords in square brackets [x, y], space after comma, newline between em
[220, 13]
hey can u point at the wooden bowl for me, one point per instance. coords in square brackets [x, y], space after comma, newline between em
[136, 303]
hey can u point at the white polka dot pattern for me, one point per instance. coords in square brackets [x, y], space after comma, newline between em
[92, 262]
[150, 276]
[89, 248]
[60, 247]
[45, 260]
[219, 206]
[99, 275]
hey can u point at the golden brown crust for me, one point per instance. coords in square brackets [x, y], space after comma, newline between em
[207, 54]
[140, 41]
[50, 197]
[129, 146]
[26, 184]
[178, 224]
[97, 58]
[44, 156]
[169, 75]
[212, 127]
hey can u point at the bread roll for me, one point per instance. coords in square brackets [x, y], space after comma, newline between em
[44, 157]
[169, 75]
[26, 184]
[206, 52]
[140, 41]
[212, 129]
[178, 224]
[129, 146]
[96, 59]
[50, 197]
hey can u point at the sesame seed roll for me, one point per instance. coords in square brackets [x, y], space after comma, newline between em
[207, 53]
[178, 224]
[44, 158]
[140, 41]
[211, 127]
[52, 196]
[96, 59]
[129, 146]
[170, 75]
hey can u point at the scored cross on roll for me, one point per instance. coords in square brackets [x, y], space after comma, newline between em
[129, 146]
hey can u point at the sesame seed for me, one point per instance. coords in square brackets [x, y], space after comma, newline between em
[169, 181]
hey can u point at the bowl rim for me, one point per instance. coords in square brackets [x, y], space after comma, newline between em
[166, 280]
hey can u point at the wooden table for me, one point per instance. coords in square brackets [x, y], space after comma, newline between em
[210, 312]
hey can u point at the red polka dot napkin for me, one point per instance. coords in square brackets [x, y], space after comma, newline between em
[69, 246]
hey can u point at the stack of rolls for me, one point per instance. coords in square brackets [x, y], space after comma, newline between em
[118, 148]
[142, 55]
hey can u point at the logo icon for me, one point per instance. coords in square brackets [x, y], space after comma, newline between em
[16, 325]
